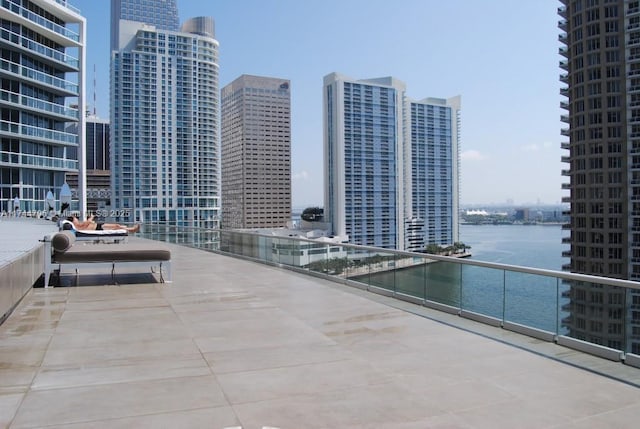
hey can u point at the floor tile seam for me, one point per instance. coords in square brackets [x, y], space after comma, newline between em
[132, 416]
[311, 395]
[277, 367]
[604, 414]
[116, 383]
[121, 362]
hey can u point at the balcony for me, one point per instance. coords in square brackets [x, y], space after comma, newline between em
[46, 54]
[564, 51]
[57, 111]
[565, 145]
[38, 133]
[57, 85]
[27, 18]
[241, 343]
[562, 25]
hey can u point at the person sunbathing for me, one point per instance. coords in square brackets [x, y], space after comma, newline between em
[91, 224]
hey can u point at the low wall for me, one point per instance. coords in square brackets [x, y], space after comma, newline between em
[18, 276]
[21, 257]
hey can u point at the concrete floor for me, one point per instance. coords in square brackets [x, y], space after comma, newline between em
[234, 343]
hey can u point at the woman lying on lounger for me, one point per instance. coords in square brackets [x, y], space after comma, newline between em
[90, 224]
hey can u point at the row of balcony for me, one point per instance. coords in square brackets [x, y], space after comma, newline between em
[40, 20]
[41, 106]
[49, 136]
[44, 162]
[56, 84]
[48, 54]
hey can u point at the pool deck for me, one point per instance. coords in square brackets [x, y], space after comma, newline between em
[234, 343]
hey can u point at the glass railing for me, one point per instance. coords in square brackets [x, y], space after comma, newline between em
[42, 105]
[45, 162]
[38, 19]
[38, 76]
[593, 314]
[45, 51]
[38, 132]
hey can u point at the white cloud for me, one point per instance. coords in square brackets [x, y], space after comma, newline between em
[534, 147]
[473, 155]
[303, 175]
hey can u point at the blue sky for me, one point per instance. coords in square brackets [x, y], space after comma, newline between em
[501, 56]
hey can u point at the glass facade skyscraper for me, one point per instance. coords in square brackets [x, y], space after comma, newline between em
[391, 164]
[42, 74]
[165, 122]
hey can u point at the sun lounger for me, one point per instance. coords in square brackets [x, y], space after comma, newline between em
[62, 248]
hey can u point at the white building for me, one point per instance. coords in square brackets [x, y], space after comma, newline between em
[391, 164]
[43, 82]
[165, 123]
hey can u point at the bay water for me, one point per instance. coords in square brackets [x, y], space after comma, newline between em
[527, 299]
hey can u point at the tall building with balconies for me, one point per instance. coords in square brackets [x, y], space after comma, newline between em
[163, 14]
[256, 153]
[391, 164]
[601, 68]
[43, 78]
[434, 170]
[165, 150]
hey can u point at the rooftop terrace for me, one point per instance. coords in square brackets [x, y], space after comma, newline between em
[236, 343]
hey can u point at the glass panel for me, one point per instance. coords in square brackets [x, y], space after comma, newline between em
[443, 282]
[531, 300]
[382, 272]
[410, 276]
[482, 290]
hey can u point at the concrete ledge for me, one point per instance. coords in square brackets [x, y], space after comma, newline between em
[594, 349]
[481, 318]
[442, 307]
[632, 360]
[531, 332]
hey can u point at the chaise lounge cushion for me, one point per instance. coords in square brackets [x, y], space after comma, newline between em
[66, 252]
[62, 241]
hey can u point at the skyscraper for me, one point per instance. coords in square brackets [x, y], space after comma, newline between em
[43, 53]
[256, 153]
[434, 172]
[391, 164]
[163, 14]
[98, 175]
[164, 121]
[602, 72]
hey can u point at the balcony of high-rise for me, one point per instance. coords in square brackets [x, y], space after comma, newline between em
[241, 338]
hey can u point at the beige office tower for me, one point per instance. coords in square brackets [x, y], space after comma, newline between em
[256, 153]
[600, 59]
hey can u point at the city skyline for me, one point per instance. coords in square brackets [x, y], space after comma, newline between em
[506, 70]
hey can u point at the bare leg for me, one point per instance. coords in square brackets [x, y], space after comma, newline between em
[111, 226]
